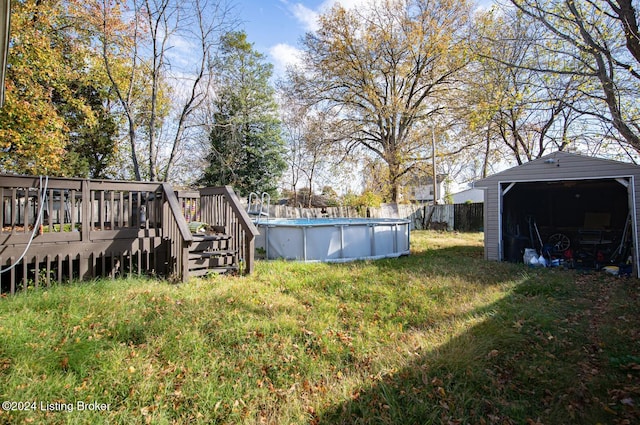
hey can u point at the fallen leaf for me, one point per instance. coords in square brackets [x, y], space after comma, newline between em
[627, 401]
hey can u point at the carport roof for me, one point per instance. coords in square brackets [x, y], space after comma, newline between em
[561, 166]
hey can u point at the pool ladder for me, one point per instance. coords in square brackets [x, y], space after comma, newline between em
[259, 208]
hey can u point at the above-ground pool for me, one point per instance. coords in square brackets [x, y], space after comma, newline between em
[333, 239]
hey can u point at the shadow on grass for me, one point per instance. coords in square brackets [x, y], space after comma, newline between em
[464, 262]
[547, 353]
[348, 343]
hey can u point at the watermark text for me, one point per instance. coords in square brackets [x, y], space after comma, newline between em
[42, 406]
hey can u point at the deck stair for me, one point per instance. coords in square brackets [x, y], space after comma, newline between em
[212, 253]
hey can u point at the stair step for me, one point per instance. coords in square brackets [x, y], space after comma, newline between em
[214, 270]
[211, 262]
[218, 237]
[210, 254]
[209, 244]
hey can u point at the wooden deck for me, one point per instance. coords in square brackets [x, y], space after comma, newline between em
[56, 230]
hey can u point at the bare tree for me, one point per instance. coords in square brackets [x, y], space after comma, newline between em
[145, 62]
[209, 19]
[597, 41]
[384, 69]
[311, 144]
[293, 133]
[119, 44]
[516, 108]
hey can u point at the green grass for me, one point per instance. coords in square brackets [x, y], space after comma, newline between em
[440, 336]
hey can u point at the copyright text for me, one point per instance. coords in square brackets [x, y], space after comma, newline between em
[24, 406]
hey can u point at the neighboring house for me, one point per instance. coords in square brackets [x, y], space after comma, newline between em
[421, 189]
[469, 195]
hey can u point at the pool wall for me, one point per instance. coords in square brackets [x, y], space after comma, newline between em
[333, 240]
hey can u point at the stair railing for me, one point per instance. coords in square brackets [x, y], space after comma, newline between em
[252, 196]
[258, 211]
[264, 196]
[220, 206]
[176, 233]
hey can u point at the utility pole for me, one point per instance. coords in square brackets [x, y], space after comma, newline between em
[433, 164]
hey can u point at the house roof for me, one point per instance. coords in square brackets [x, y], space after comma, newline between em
[472, 194]
[427, 179]
[562, 166]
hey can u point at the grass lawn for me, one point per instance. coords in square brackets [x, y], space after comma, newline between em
[440, 336]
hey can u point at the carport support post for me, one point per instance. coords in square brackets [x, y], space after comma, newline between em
[630, 185]
[501, 194]
[631, 191]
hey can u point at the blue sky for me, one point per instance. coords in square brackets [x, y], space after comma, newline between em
[276, 26]
[269, 22]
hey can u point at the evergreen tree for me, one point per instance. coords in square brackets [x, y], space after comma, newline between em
[246, 143]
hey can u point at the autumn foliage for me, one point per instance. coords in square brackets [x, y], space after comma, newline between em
[49, 88]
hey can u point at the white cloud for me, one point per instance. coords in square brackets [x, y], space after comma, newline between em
[308, 18]
[347, 4]
[283, 55]
[180, 54]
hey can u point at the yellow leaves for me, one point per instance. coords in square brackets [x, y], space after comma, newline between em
[493, 354]
[35, 135]
[385, 64]
[47, 68]
[518, 324]
[84, 386]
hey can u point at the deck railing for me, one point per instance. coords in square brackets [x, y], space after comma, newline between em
[220, 206]
[59, 229]
[178, 234]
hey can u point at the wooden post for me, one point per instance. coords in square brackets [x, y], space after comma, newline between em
[85, 211]
[249, 243]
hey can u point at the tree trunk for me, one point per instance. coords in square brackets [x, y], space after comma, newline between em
[134, 155]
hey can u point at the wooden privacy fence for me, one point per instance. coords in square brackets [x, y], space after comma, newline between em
[468, 217]
[461, 217]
